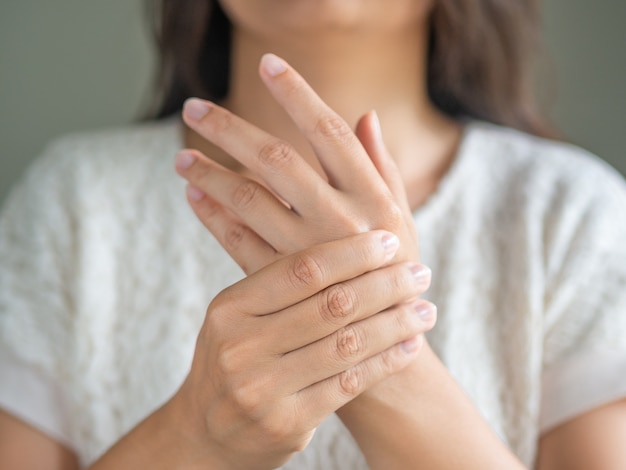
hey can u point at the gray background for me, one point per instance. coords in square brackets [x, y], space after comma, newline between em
[69, 65]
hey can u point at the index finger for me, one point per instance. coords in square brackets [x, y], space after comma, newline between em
[338, 149]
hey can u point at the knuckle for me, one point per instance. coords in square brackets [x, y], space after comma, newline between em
[217, 313]
[333, 127]
[338, 303]
[393, 217]
[245, 194]
[208, 211]
[389, 361]
[349, 343]
[389, 216]
[352, 381]
[352, 222]
[247, 399]
[234, 236]
[276, 154]
[306, 271]
[236, 355]
[229, 362]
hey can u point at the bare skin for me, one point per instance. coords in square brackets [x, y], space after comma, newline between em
[444, 429]
[366, 64]
[360, 189]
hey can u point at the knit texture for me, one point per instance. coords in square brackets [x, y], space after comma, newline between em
[106, 274]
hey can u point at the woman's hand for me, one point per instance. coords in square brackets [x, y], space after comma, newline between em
[410, 418]
[287, 346]
[296, 207]
[290, 206]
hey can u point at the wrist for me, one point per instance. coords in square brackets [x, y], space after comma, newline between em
[168, 438]
[186, 430]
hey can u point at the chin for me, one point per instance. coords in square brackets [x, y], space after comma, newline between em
[272, 17]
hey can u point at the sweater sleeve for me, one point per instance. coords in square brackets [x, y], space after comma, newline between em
[585, 321]
[37, 259]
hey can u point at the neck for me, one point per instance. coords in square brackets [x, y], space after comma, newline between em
[353, 75]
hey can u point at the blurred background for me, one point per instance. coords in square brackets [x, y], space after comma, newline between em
[69, 65]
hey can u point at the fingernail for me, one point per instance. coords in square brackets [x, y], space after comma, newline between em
[194, 193]
[184, 160]
[410, 345]
[425, 310]
[273, 65]
[376, 125]
[196, 109]
[390, 244]
[421, 273]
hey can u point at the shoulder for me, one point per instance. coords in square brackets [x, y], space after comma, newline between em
[152, 134]
[550, 177]
[90, 164]
[562, 204]
[91, 183]
[105, 148]
[515, 153]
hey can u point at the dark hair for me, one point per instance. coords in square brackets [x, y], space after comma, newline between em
[480, 58]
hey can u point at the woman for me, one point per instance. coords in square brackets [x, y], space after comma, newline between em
[316, 359]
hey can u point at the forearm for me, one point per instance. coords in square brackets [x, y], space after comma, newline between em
[161, 441]
[420, 418]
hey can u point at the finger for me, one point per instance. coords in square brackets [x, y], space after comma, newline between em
[296, 277]
[337, 148]
[325, 397]
[345, 303]
[253, 203]
[370, 135]
[355, 343]
[248, 250]
[274, 160]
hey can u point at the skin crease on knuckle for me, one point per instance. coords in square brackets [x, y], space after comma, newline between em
[207, 211]
[276, 154]
[305, 271]
[338, 304]
[393, 359]
[352, 381]
[245, 377]
[331, 126]
[234, 236]
[246, 194]
[349, 345]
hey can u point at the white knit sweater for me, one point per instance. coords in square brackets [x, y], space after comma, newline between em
[105, 276]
